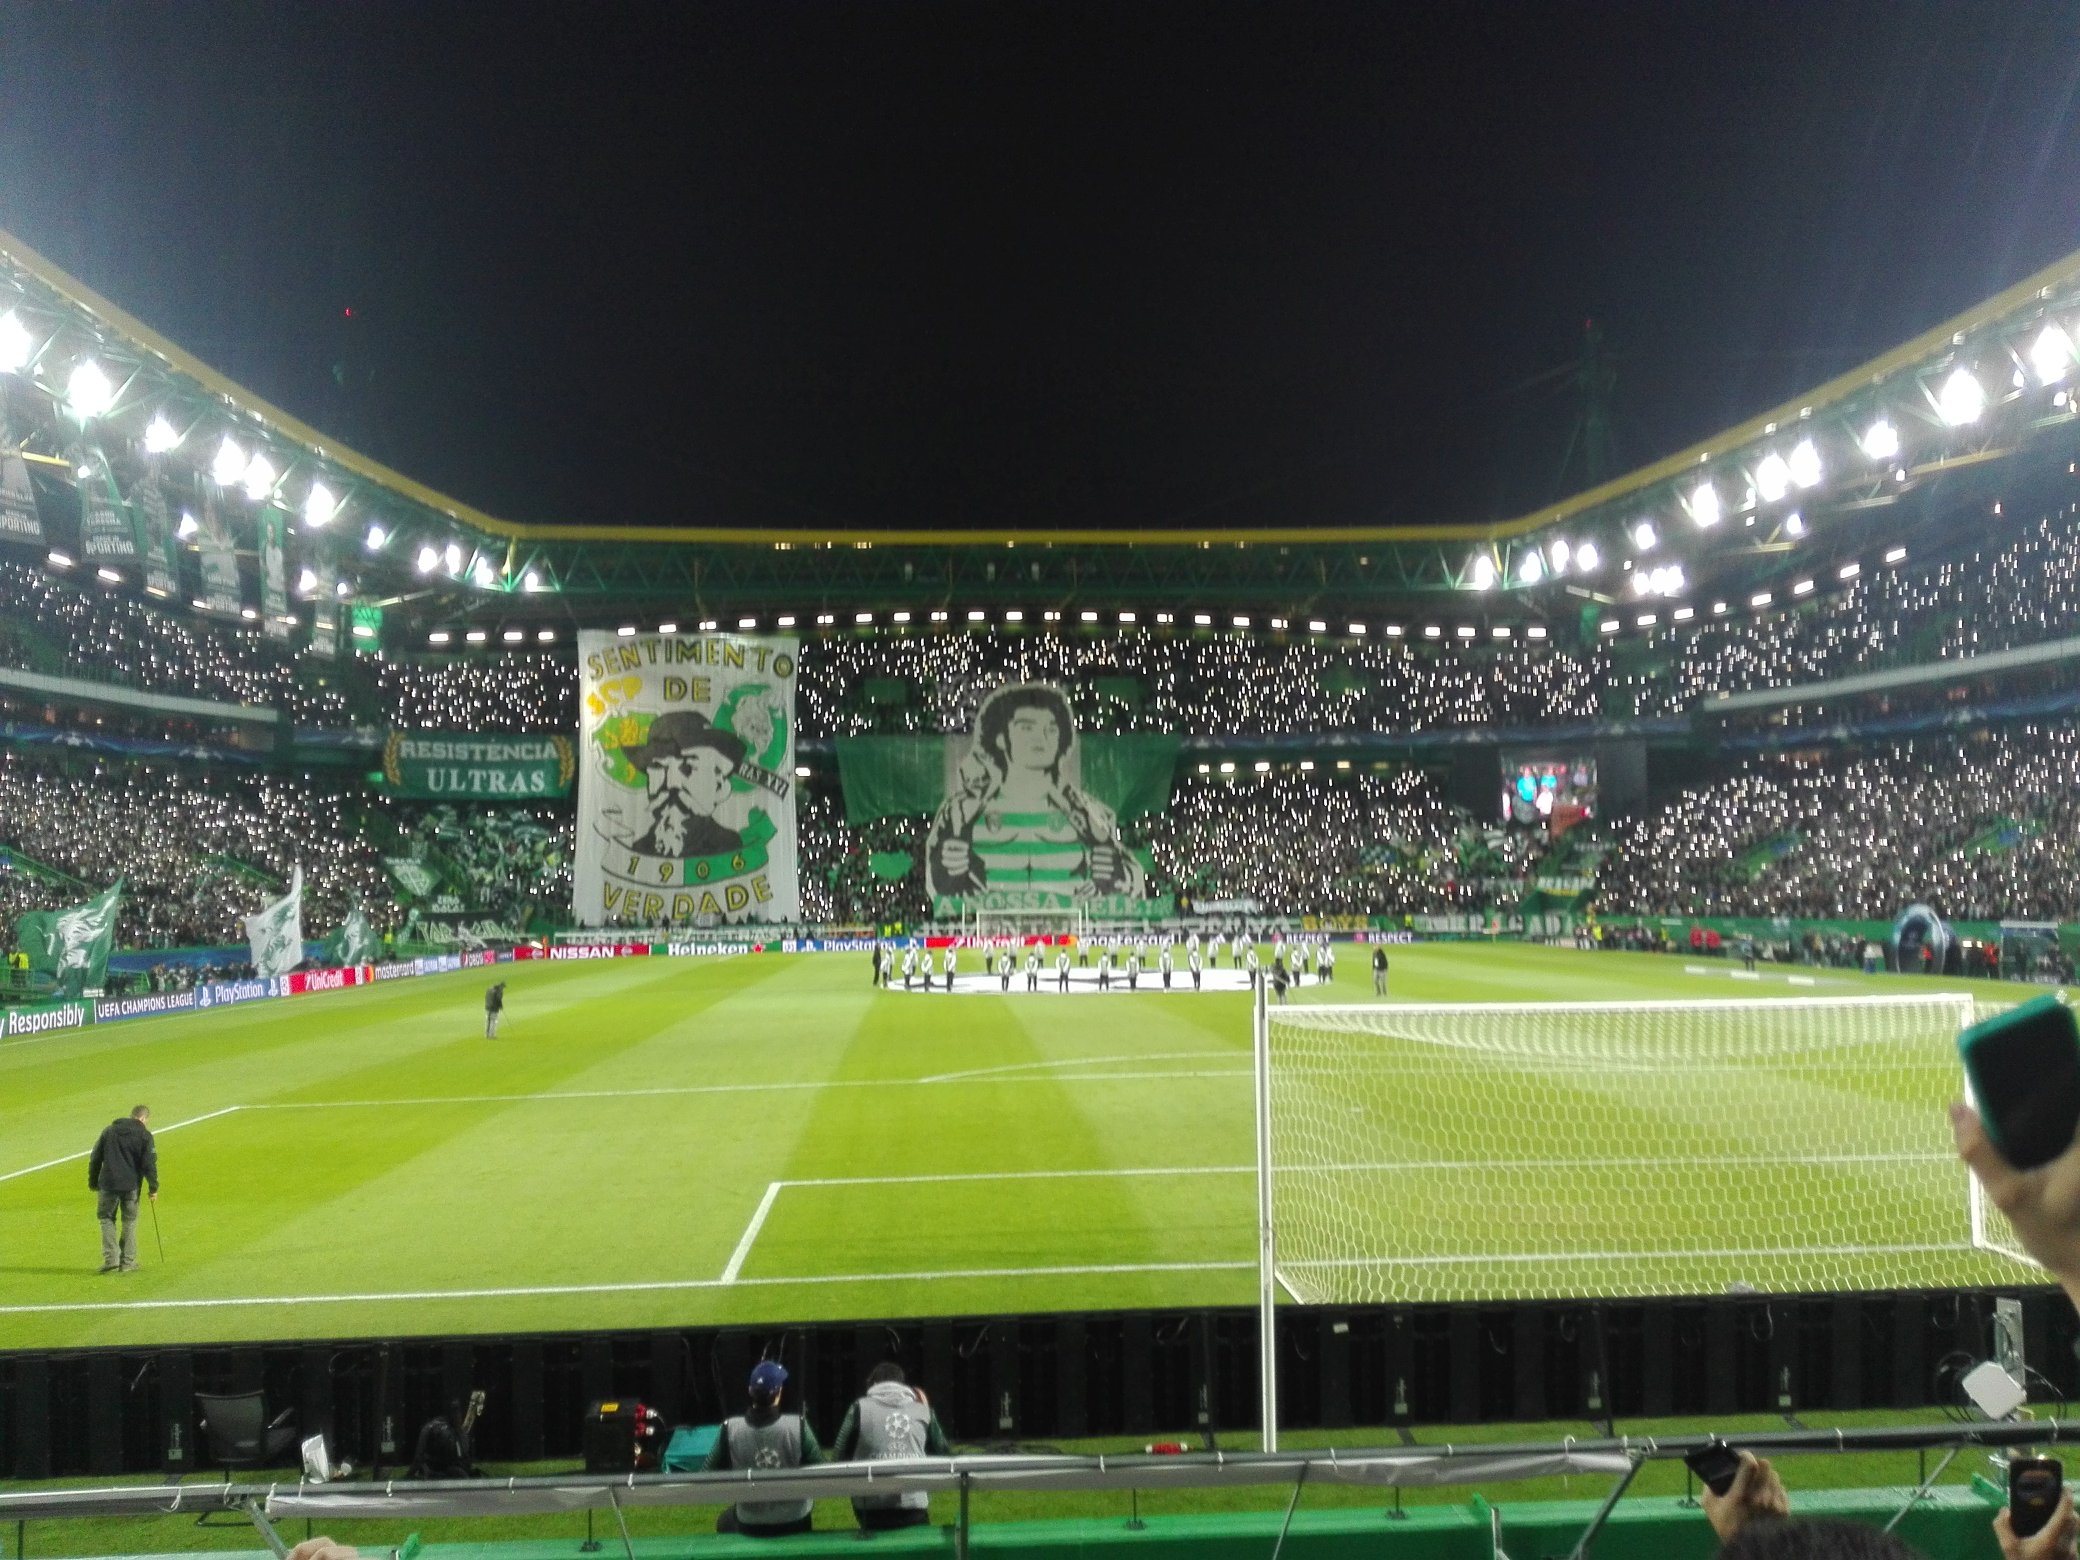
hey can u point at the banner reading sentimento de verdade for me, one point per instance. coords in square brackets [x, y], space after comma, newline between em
[685, 779]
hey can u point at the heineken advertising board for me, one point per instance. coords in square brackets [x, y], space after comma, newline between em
[458, 766]
[686, 805]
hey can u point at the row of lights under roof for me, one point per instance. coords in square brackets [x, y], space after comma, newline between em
[1318, 626]
[1761, 601]
[1264, 766]
[1958, 402]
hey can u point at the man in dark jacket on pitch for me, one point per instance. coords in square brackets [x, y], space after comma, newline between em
[125, 1159]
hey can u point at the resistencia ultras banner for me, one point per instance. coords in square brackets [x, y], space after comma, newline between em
[685, 779]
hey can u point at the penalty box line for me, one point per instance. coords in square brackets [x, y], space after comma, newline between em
[66, 1159]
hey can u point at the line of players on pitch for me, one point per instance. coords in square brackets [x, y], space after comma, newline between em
[1127, 956]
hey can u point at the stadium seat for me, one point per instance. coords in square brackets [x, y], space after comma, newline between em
[236, 1432]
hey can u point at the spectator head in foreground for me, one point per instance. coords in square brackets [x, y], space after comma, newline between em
[768, 1381]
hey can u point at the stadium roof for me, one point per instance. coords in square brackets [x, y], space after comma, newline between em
[1894, 443]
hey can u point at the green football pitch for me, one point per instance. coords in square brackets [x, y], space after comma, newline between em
[757, 1139]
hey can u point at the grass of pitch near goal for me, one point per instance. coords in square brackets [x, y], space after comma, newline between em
[654, 1142]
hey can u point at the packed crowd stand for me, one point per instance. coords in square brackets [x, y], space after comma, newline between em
[2022, 590]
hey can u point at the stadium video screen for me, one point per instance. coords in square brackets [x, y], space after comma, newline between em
[1555, 793]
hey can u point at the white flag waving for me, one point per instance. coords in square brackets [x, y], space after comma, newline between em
[276, 932]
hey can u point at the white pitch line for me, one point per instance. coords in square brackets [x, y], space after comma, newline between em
[735, 1265]
[1633, 1256]
[83, 1153]
[1080, 1061]
[1103, 1269]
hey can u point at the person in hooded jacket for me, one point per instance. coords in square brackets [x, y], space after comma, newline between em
[892, 1420]
[125, 1159]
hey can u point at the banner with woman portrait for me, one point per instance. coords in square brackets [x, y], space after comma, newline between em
[686, 774]
[1018, 828]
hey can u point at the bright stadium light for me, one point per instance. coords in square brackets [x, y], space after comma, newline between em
[1962, 399]
[306, 581]
[88, 392]
[319, 506]
[1561, 552]
[1607, 626]
[668, 628]
[1683, 614]
[513, 636]
[476, 636]
[531, 580]
[259, 478]
[1849, 571]
[439, 636]
[1535, 631]
[1357, 630]
[1719, 609]
[546, 637]
[1805, 464]
[483, 574]
[1241, 620]
[229, 464]
[747, 622]
[1317, 626]
[59, 560]
[785, 620]
[625, 631]
[1794, 524]
[1703, 505]
[1644, 536]
[453, 557]
[1432, 631]
[1015, 615]
[1202, 620]
[2051, 354]
[1532, 569]
[1772, 477]
[250, 614]
[1880, 440]
[1802, 588]
[110, 575]
[1761, 598]
[160, 436]
[1587, 559]
[343, 590]
[707, 626]
[1483, 572]
[376, 537]
[1642, 582]
[16, 344]
[1895, 555]
[187, 527]
[429, 558]
[1087, 616]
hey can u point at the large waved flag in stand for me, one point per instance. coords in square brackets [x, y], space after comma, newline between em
[276, 932]
[72, 945]
[355, 942]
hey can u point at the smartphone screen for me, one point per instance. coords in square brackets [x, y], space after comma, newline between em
[2033, 1486]
[2025, 1070]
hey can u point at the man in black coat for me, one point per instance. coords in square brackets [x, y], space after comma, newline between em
[125, 1159]
[494, 1006]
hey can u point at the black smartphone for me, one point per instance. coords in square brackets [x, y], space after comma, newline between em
[2024, 1066]
[1715, 1466]
[2033, 1486]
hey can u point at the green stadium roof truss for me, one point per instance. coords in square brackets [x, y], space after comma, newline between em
[520, 577]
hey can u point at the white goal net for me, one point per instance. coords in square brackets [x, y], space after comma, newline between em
[1448, 1152]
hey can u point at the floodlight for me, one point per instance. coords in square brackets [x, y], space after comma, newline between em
[937, 617]
[110, 576]
[1794, 524]
[1088, 616]
[1241, 621]
[376, 537]
[1805, 464]
[1772, 477]
[531, 580]
[1607, 626]
[1759, 599]
[1704, 505]
[1683, 614]
[748, 622]
[259, 478]
[1432, 631]
[1587, 559]
[319, 506]
[1262, 766]
[160, 436]
[250, 614]
[16, 345]
[1307, 766]
[668, 628]
[1644, 537]
[429, 559]
[1015, 615]
[1641, 582]
[977, 615]
[187, 527]
[307, 581]
[1358, 630]
[439, 636]
[546, 636]
[626, 631]
[785, 620]
[2051, 354]
[1202, 620]
[1645, 620]
[1482, 575]
[1718, 609]
[453, 557]
[476, 636]
[1535, 631]
[1317, 626]
[1532, 569]
[1561, 552]
[1129, 617]
[1881, 440]
[862, 617]
[513, 636]
[1499, 631]
[364, 631]
[88, 392]
[801, 771]
[1849, 571]
[1227, 766]
[1961, 400]
[343, 590]
[1895, 554]
[1802, 588]
[1393, 630]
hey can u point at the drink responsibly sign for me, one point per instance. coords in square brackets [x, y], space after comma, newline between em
[686, 806]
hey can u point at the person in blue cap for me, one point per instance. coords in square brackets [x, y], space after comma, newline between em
[764, 1437]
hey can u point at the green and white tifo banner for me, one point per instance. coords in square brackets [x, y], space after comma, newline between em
[686, 806]
[461, 766]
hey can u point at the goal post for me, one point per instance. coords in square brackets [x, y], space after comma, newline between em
[1494, 1151]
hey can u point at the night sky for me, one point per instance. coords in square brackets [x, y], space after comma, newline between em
[893, 264]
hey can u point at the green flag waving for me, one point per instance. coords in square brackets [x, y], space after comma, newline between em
[71, 946]
[355, 942]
